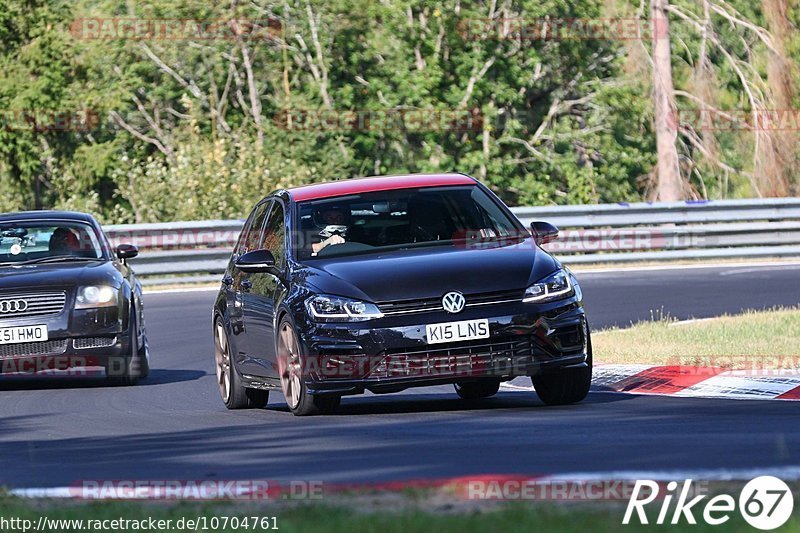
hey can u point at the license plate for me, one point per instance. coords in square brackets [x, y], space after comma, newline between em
[23, 334]
[466, 330]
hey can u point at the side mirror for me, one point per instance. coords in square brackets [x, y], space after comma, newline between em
[256, 261]
[127, 251]
[543, 232]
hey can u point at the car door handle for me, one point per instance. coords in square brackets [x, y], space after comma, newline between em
[246, 285]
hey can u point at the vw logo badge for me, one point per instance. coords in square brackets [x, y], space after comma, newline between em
[453, 302]
[13, 306]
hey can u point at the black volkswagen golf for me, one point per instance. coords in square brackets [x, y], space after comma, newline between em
[387, 283]
[67, 301]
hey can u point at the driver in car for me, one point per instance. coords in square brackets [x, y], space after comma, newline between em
[64, 241]
[333, 223]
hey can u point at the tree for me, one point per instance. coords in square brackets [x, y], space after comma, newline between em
[670, 183]
[729, 44]
[781, 151]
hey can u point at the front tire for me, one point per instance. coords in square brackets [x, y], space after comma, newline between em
[234, 395]
[566, 386]
[290, 368]
[136, 365]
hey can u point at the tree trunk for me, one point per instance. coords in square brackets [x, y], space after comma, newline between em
[670, 184]
[778, 153]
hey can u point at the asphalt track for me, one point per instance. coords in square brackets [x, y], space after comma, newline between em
[173, 426]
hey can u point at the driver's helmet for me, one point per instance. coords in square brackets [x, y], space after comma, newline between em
[331, 220]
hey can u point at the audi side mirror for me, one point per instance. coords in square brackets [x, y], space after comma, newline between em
[127, 251]
[256, 261]
[543, 232]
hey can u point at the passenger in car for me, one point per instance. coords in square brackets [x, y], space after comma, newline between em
[427, 221]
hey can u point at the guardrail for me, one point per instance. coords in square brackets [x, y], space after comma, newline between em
[181, 252]
[607, 233]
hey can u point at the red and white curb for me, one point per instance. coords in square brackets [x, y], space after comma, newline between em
[692, 381]
[458, 485]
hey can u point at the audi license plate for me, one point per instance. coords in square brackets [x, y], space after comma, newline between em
[466, 330]
[23, 334]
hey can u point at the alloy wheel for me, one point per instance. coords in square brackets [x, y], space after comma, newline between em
[223, 361]
[289, 365]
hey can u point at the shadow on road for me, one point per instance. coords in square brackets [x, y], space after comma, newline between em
[156, 377]
[511, 433]
[440, 403]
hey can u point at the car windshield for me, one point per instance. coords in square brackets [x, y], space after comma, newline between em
[34, 241]
[377, 221]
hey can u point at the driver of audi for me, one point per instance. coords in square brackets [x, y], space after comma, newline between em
[333, 221]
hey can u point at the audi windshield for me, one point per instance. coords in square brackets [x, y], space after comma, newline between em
[43, 241]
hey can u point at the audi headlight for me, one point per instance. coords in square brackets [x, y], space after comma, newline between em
[554, 287]
[325, 308]
[96, 296]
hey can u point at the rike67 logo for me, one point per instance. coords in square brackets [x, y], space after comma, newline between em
[765, 503]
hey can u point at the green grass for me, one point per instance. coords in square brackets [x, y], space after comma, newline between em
[766, 338]
[347, 519]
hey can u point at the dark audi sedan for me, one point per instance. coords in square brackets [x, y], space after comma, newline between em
[387, 283]
[66, 300]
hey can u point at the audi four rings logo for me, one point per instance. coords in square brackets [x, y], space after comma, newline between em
[13, 306]
[453, 302]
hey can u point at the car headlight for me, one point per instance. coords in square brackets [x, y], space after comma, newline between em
[96, 296]
[554, 287]
[325, 308]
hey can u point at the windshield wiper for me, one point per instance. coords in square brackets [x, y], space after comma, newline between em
[53, 259]
[423, 244]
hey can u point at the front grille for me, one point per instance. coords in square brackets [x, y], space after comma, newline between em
[23, 349]
[476, 358]
[422, 305]
[93, 342]
[35, 304]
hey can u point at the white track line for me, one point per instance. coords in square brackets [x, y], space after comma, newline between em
[763, 269]
[786, 473]
[690, 321]
[51, 492]
[177, 291]
[586, 271]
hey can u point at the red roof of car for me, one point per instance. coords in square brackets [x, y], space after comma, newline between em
[378, 183]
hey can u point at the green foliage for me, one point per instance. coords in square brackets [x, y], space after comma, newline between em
[552, 121]
[209, 180]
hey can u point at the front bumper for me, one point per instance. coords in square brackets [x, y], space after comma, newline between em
[391, 353]
[76, 339]
[71, 353]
